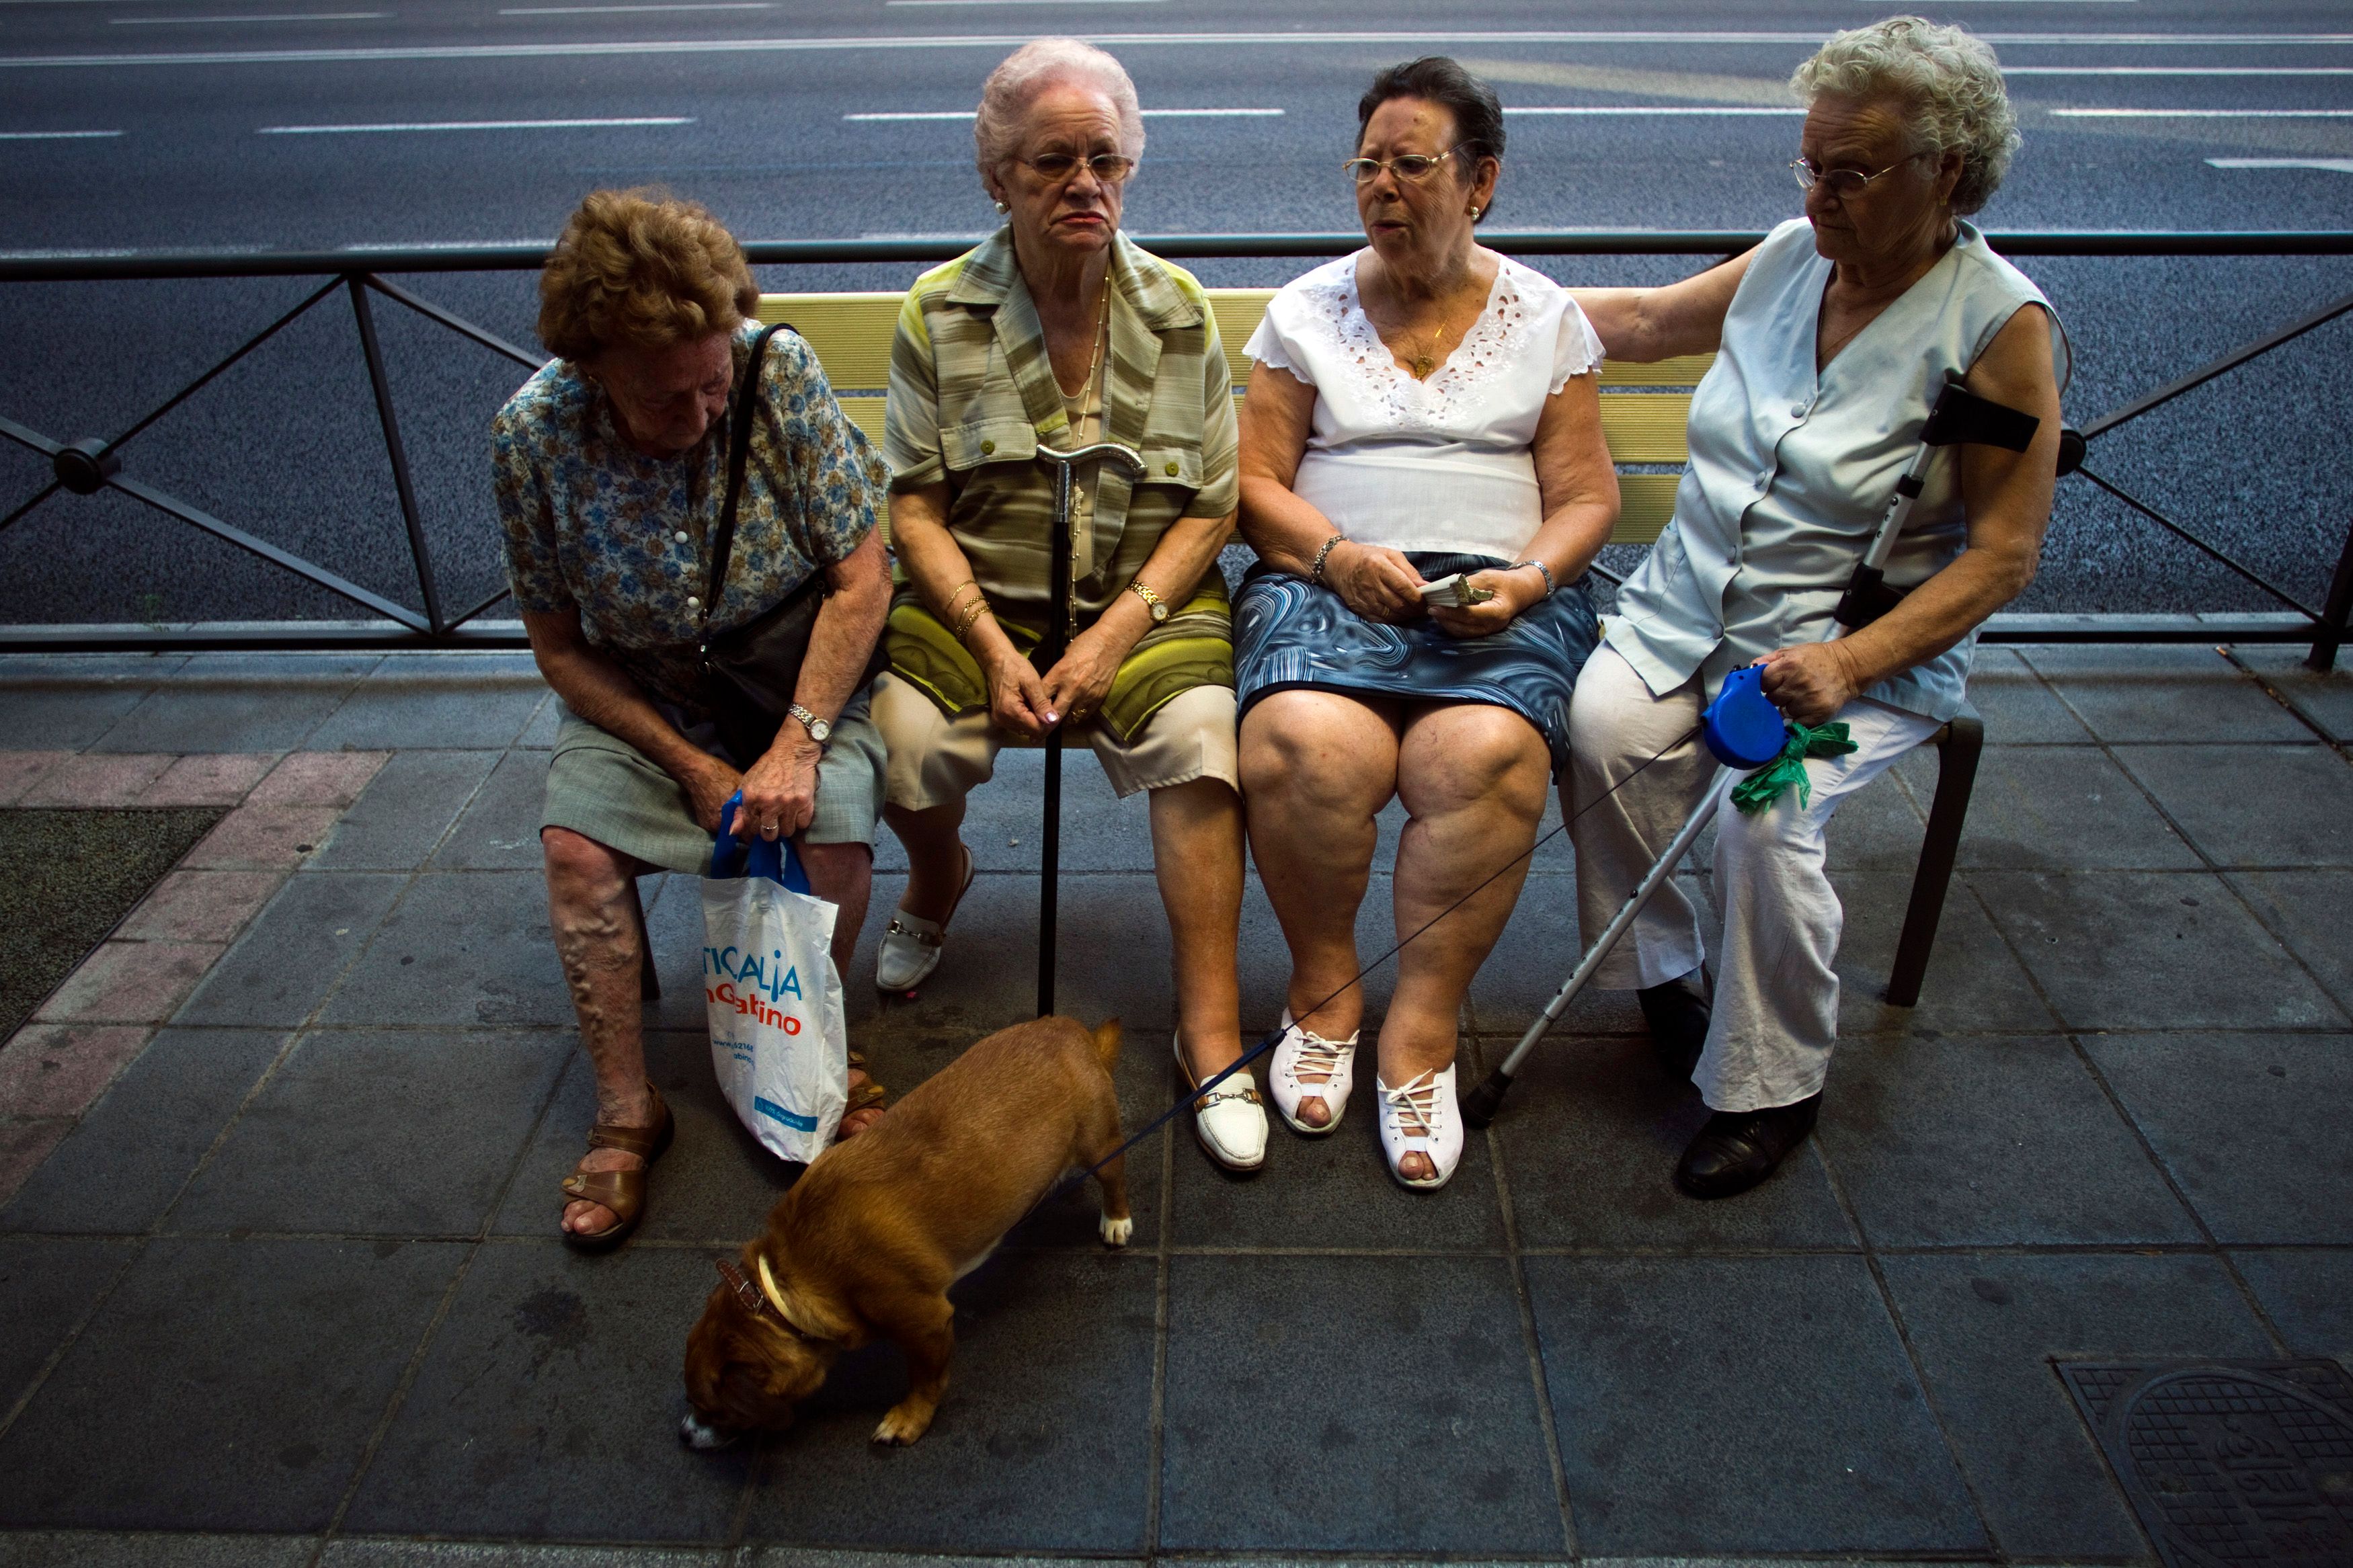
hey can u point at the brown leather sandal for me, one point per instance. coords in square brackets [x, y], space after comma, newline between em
[623, 1192]
[867, 1096]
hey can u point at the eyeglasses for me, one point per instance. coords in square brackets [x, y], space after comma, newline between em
[1840, 183]
[1110, 168]
[1405, 166]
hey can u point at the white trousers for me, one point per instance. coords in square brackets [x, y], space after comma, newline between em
[1774, 1013]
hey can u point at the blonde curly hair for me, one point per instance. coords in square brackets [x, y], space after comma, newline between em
[1948, 82]
[643, 269]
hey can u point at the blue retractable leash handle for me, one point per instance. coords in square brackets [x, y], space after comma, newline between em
[756, 856]
[1742, 727]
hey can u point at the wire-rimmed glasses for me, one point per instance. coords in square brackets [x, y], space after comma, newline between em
[1110, 168]
[1405, 166]
[1840, 183]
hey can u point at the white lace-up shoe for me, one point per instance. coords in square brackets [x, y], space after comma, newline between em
[1228, 1119]
[1332, 1064]
[1421, 1117]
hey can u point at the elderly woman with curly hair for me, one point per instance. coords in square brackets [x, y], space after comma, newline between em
[1832, 340]
[1057, 332]
[610, 466]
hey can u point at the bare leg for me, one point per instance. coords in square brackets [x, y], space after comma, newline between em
[1316, 767]
[1196, 856]
[843, 875]
[1473, 776]
[936, 861]
[588, 892]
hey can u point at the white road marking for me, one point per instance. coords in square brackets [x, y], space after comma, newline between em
[54, 135]
[1003, 41]
[2177, 70]
[601, 10]
[474, 125]
[2335, 165]
[2201, 113]
[281, 17]
[1148, 114]
[1024, 2]
[1646, 109]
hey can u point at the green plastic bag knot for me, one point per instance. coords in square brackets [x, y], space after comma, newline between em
[1760, 789]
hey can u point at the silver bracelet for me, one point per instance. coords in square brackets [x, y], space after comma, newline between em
[1539, 566]
[1315, 572]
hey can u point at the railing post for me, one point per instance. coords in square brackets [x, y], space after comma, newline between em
[418, 551]
[2336, 613]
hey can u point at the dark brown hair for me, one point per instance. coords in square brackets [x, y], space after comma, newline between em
[1478, 113]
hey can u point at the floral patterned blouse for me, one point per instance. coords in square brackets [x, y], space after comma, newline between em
[594, 525]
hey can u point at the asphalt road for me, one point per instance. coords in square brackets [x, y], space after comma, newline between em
[304, 124]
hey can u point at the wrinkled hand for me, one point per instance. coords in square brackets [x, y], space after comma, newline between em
[1515, 592]
[1378, 583]
[1811, 681]
[1081, 678]
[707, 790]
[780, 792]
[1017, 697]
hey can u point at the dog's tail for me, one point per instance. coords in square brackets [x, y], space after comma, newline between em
[1106, 1038]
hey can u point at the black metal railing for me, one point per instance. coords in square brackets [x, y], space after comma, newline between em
[86, 466]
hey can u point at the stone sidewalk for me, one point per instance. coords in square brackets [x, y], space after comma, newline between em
[281, 1284]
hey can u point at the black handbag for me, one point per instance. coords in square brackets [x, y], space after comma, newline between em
[750, 672]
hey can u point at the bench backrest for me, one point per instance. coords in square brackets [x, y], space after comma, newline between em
[1643, 406]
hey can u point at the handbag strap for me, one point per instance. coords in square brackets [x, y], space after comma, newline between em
[739, 453]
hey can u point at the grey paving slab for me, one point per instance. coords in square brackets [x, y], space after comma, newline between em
[2162, 693]
[539, 734]
[499, 828]
[2244, 1123]
[466, 947]
[2134, 950]
[547, 1406]
[402, 816]
[1018, 1459]
[445, 702]
[1977, 1141]
[2308, 1292]
[333, 1141]
[1736, 1404]
[1591, 1136]
[2311, 911]
[1986, 1327]
[274, 1386]
[44, 711]
[2306, 817]
[47, 1284]
[2324, 700]
[2058, 808]
[1878, 829]
[1974, 981]
[1423, 1434]
[348, 1552]
[822, 1557]
[133, 1151]
[292, 954]
[237, 703]
[1539, 946]
[151, 1548]
[2017, 707]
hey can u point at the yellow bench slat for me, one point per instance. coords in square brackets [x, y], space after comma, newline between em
[1647, 428]
[1646, 504]
[850, 332]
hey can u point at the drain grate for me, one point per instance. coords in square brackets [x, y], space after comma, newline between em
[2228, 1463]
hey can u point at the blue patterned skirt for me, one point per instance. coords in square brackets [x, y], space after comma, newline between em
[1288, 635]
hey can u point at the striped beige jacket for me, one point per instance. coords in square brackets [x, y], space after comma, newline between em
[973, 397]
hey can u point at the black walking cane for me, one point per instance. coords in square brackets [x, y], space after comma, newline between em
[1061, 625]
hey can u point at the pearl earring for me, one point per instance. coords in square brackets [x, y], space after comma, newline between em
[1002, 209]
[1474, 213]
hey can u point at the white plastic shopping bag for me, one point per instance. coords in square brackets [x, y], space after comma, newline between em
[780, 1040]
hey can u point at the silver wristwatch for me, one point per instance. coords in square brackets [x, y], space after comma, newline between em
[818, 729]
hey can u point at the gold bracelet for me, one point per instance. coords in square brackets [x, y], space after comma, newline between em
[972, 613]
[958, 594]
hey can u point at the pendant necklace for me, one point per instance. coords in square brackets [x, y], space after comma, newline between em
[1425, 361]
[1086, 395]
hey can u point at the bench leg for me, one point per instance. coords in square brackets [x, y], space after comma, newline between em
[1957, 772]
[648, 975]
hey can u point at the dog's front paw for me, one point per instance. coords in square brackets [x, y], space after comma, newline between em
[903, 1426]
[1117, 1232]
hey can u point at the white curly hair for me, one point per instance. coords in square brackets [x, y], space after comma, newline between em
[1005, 96]
[1948, 82]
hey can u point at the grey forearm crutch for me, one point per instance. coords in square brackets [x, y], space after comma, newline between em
[1061, 625]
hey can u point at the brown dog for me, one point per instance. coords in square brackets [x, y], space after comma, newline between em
[868, 1241]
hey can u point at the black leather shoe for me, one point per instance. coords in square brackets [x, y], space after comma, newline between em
[1739, 1148]
[1677, 1013]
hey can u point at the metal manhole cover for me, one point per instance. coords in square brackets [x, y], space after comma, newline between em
[2230, 1463]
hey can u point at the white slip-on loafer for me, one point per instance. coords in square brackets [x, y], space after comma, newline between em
[1421, 1117]
[1302, 1051]
[911, 950]
[1228, 1119]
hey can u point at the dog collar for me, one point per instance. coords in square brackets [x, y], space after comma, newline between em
[776, 1300]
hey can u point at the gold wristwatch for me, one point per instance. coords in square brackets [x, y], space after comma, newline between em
[1151, 601]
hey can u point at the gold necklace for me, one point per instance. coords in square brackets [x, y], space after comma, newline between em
[1094, 351]
[1425, 363]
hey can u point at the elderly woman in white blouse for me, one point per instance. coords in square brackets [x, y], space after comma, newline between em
[1420, 411]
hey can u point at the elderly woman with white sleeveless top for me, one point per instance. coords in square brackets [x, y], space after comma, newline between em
[1832, 338]
[1423, 410]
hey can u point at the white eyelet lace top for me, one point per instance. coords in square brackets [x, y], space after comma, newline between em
[1442, 464]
